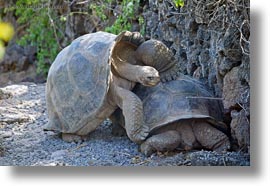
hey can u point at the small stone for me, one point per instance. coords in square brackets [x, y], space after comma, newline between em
[58, 154]
[50, 133]
[6, 134]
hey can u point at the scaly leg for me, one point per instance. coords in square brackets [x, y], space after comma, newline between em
[210, 137]
[132, 108]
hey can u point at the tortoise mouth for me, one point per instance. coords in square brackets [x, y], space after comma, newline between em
[151, 84]
[151, 81]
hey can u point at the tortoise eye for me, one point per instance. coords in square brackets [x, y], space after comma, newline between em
[150, 78]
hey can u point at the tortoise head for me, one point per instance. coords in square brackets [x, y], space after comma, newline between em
[148, 76]
[156, 54]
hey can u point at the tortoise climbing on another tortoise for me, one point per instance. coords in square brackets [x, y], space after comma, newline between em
[180, 113]
[92, 77]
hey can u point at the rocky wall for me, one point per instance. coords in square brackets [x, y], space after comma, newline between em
[210, 39]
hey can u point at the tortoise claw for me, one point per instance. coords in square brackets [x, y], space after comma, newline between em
[146, 149]
[141, 135]
[73, 138]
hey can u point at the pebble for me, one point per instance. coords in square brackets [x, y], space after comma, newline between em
[6, 134]
[58, 154]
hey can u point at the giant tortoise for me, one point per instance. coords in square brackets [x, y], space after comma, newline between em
[180, 113]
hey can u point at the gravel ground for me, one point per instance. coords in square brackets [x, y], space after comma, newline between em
[24, 143]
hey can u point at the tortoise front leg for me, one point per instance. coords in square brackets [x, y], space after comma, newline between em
[132, 108]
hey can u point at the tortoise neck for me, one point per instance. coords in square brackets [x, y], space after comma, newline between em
[126, 70]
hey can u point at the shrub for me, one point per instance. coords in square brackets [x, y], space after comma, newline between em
[41, 30]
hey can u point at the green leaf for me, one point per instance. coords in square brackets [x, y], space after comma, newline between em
[179, 3]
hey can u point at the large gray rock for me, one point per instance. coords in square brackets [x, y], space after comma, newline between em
[240, 129]
[18, 64]
[17, 58]
[232, 89]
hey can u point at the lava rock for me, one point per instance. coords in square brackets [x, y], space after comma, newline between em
[240, 129]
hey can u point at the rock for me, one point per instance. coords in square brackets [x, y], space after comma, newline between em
[4, 94]
[17, 58]
[240, 129]
[57, 155]
[226, 65]
[13, 117]
[15, 90]
[244, 70]
[1, 149]
[6, 134]
[78, 24]
[18, 65]
[232, 89]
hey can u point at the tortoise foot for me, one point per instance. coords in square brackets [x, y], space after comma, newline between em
[147, 149]
[140, 135]
[223, 145]
[73, 138]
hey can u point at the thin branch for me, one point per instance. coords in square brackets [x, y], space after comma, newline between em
[179, 13]
[246, 112]
[53, 25]
[242, 38]
[83, 2]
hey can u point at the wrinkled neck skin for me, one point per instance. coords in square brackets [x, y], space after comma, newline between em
[121, 82]
[117, 81]
[128, 71]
